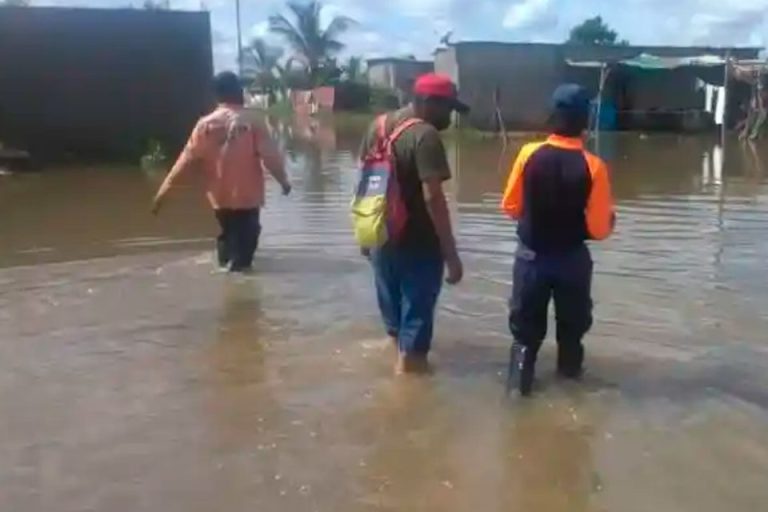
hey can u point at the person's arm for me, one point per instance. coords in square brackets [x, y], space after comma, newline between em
[272, 158]
[191, 154]
[601, 217]
[433, 169]
[437, 205]
[512, 200]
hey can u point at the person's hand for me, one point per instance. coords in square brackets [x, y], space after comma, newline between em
[286, 188]
[455, 269]
[157, 204]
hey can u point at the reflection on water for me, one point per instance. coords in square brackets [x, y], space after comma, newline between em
[133, 378]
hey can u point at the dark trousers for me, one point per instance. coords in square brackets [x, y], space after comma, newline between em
[565, 276]
[239, 238]
[408, 284]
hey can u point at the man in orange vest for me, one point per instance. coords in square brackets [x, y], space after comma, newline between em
[560, 194]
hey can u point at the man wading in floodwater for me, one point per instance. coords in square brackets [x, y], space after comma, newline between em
[409, 270]
[561, 196]
[232, 147]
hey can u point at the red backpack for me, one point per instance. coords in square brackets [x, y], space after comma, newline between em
[379, 213]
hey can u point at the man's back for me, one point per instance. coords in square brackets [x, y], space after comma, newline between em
[557, 190]
[226, 142]
[419, 154]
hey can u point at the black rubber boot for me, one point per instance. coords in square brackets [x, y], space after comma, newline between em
[522, 369]
[570, 359]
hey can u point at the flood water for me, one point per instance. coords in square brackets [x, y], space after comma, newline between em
[134, 378]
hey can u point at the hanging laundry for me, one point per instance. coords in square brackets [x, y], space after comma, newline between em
[720, 106]
[709, 97]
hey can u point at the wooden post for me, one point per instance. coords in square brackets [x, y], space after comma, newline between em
[499, 115]
[726, 79]
[598, 113]
[722, 197]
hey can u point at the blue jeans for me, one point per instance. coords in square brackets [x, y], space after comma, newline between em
[408, 283]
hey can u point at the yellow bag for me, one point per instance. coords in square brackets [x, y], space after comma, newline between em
[378, 211]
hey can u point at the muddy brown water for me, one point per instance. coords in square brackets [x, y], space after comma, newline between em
[133, 378]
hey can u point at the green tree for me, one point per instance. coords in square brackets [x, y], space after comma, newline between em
[260, 65]
[310, 43]
[353, 70]
[595, 31]
[291, 75]
[157, 5]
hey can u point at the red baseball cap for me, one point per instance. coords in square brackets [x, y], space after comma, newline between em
[435, 85]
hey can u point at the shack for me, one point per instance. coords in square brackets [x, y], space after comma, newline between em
[101, 83]
[397, 75]
[512, 82]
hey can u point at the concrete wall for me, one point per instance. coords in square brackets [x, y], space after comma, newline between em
[523, 76]
[526, 74]
[445, 63]
[406, 72]
[99, 83]
[381, 74]
[396, 74]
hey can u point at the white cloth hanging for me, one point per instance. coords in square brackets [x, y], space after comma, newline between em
[720, 106]
[709, 96]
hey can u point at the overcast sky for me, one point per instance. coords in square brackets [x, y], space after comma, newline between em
[402, 27]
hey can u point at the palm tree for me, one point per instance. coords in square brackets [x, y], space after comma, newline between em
[313, 45]
[260, 63]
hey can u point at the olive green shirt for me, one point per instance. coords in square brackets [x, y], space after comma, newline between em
[419, 155]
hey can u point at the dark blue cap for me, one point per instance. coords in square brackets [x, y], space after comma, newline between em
[571, 99]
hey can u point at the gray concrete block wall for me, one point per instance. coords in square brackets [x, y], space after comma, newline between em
[445, 63]
[524, 75]
[380, 74]
[97, 82]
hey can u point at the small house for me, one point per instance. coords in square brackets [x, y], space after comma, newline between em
[397, 75]
[511, 83]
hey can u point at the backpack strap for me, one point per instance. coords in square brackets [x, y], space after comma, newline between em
[383, 142]
[381, 127]
[400, 129]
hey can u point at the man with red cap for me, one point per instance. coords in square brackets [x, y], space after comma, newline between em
[409, 271]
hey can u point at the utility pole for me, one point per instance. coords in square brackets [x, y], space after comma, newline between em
[239, 41]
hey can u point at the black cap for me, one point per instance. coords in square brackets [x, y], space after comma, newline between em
[227, 85]
[571, 100]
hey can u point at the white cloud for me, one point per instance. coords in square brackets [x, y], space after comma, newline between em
[260, 29]
[421, 8]
[397, 27]
[528, 13]
[367, 43]
[704, 22]
[349, 8]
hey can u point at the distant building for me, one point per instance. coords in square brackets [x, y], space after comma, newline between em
[397, 74]
[101, 83]
[520, 77]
